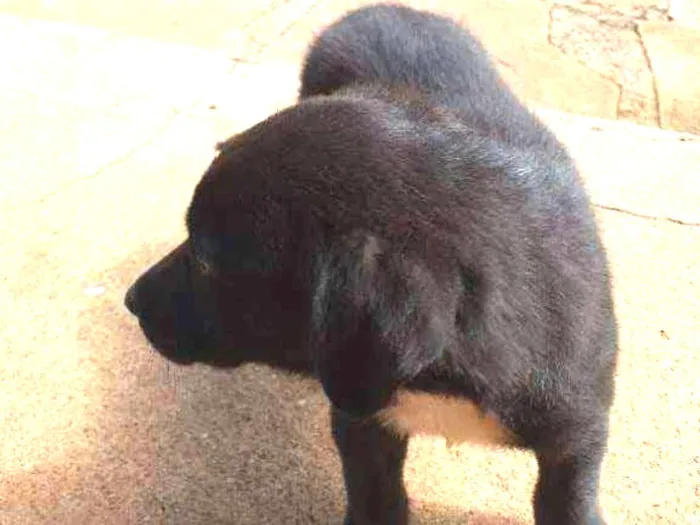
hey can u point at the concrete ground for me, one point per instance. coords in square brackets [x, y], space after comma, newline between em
[111, 112]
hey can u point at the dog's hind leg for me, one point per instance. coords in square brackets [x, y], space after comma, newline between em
[372, 457]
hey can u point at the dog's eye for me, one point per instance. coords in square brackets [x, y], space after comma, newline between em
[204, 267]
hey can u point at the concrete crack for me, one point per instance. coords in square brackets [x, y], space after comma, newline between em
[644, 216]
[263, 47]
[654, 84]
[618, 104]
[256, 47]
[634, 13]
[550, 23]
[296, 20]
[505, 64]
[244, 61]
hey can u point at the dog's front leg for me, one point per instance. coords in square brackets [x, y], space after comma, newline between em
[373, 459]
[567, 485]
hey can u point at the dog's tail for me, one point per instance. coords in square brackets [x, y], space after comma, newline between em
[398, 45]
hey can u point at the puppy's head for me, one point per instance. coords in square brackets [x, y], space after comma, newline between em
[234, 290]
[286, 262]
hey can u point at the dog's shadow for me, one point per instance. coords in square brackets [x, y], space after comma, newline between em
[247, 446]
[252, 446]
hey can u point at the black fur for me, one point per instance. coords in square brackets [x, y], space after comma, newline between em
[408, 224]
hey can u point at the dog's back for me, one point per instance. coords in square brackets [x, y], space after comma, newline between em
[521, 206]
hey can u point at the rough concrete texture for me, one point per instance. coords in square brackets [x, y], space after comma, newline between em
[109, 124]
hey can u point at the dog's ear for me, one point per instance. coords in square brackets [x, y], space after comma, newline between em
[379, 318]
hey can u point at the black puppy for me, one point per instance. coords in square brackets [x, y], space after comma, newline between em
[412, 236]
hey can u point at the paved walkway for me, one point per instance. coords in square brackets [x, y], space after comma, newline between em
[635, 60]
[110, 114]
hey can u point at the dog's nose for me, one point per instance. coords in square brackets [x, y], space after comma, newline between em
[130, 300]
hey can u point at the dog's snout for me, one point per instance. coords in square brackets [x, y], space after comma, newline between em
[130, 300]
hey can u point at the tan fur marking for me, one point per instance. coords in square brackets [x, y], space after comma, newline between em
[458, 420]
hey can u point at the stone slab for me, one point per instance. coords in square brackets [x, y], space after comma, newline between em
[610, 45]
[647, 172]
[674, 52]
[106, 94]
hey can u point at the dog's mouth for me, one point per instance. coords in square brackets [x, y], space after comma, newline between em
[188, 348]
[167, 346]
